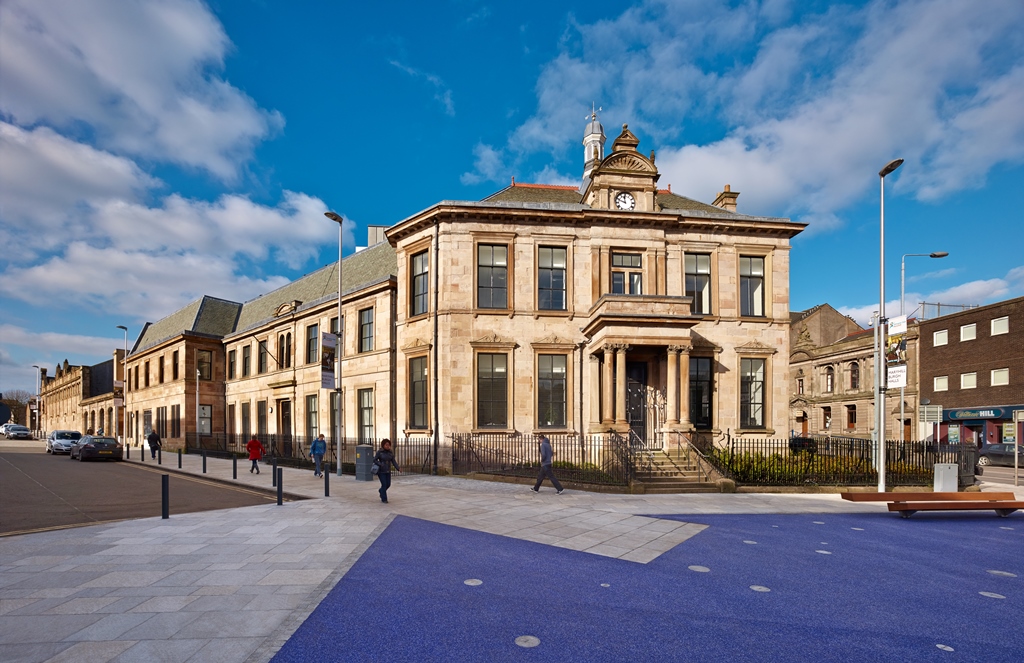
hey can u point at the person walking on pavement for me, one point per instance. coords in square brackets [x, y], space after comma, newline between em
[256, 451]
[385, 460]
[154, 442]
[546, 454]
[317, 451]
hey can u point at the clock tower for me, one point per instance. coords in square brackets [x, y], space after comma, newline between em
[625, 180]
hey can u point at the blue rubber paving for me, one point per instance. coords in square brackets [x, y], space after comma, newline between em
[890, 590]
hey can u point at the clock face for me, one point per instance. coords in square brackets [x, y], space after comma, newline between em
[625, 201]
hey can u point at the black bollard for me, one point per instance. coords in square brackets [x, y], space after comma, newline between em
[165, 481]
[327, 483]
[204, 461]
[142, 454]
[234, 467]
[127, 452]
[160, 456]
[273, 471]
[179, 459]
[280, 487]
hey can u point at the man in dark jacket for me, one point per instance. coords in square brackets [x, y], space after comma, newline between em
[154, 442]
[546, 454]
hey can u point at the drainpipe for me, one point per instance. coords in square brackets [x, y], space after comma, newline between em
[437, 268]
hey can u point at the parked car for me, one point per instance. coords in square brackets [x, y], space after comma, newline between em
[60, 441]
[1000, 454]
[3, 427]
[94, 446]
[17, 432]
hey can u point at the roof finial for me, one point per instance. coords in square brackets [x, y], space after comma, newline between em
[595, 111]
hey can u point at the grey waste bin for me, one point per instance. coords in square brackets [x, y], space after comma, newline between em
[946, 475]
[364, 459]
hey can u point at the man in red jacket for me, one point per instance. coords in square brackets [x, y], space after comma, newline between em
[256, 452]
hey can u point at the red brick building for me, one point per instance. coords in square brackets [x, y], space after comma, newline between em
[972, 364]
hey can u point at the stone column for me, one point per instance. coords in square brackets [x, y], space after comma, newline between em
[607, 388]
[620, 384]
[684, 385]
[673, 379]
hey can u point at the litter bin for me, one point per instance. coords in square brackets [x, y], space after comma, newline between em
[364, 460]
[946, 477]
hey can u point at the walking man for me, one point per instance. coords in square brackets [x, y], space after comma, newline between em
[154, 442]
[256, 451]
[545, 467]
[317, 451]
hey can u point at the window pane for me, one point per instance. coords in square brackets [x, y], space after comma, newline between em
[752, 393]
[967, 332]
[1000, 377]
[701, 390]
[418, 392]
[551, 279]
[940, 337]
[551, 391]
[492, 405]
[941, 383]
[1001, 326]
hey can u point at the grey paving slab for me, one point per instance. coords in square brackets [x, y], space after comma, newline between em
[189, 587]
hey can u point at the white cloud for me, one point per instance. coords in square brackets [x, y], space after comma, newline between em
[57, 343]
[141, 76]
[48, 180]
[810, 111]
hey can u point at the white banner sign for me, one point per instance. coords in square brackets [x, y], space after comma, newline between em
[896, 376]
[328, 343]
[898, 325]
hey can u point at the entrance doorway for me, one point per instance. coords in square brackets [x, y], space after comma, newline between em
[636, 398]
[284, 425]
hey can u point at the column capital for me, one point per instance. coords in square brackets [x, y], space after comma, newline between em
[678, 348]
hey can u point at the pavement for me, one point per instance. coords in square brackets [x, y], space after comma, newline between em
[453, 569]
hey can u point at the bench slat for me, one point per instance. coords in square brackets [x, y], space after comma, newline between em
[927, 497]
[952, 506]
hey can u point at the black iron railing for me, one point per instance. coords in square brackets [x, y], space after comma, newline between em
[831, 460]
[577, 458]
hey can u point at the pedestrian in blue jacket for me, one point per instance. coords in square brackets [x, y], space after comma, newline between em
[317, 451]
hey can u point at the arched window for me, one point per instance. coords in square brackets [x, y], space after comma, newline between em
[854, 376]
[830, 379]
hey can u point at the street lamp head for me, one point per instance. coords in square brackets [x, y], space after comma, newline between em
[122, 327]
[938, 254]
[334, 217]
[889, 167]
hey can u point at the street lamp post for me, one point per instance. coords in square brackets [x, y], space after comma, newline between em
[339, 340]
[39, 410]
[903, 281]
[124, 391]
[880, 382]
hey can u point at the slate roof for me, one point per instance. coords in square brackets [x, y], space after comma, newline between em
[361, 269]
[207, 315]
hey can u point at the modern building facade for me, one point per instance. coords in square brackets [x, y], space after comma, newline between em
[972, 364]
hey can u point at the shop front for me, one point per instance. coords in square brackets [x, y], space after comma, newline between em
[984, 425]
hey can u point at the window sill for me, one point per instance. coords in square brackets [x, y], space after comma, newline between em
[418, 317]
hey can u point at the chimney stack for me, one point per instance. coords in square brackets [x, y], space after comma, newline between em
[727, 199]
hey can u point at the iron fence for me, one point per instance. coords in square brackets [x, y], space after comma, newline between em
[577, 458]
[412, 454]
[831, 460]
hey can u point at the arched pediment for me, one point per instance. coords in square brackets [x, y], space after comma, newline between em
[630, 161]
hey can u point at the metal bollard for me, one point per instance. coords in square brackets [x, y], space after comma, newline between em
[327, 483]
[127, 452]
[142, 454]
[179, 459]
[273, 471]
[280, 487]
[160, 456]
[165, 480]
[204, 461]
[234, 467]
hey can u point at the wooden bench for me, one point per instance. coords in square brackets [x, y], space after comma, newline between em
[907, 504]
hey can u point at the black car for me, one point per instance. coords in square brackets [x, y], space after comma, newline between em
[94, 446]
[1000, 454]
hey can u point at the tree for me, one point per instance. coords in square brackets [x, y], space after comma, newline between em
[17, 400]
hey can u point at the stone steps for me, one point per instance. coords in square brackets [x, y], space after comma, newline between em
[672, 474]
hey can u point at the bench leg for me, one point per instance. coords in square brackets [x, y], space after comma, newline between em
[1004, 512]
[907, 514]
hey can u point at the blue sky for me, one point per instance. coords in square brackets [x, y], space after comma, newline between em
[155, 151]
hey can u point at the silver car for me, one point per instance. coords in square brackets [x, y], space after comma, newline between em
[17, 432]
[60, 441]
